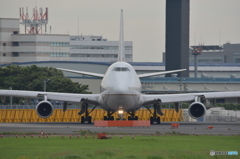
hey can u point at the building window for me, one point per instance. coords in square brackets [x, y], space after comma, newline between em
[128, 56]
[237, 60]
[98, 47]
[15, 43]
[4, 54]
[15, 54]
[4, 44]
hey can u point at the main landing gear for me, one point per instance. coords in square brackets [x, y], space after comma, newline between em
[155, 117]
[84, 109]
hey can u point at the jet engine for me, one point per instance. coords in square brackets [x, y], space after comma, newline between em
[44, 109]
[197, 110]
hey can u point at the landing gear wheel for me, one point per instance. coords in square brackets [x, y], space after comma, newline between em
[112, 118]
[158, 120]
[89, 120]
[105, 118]
[82, 119]
[157, 111]
[131, 118]
[151, 120]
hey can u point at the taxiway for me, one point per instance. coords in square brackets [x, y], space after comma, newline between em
[223, 128]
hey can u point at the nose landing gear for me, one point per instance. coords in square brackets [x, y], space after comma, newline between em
[109, 116]
[132, 117]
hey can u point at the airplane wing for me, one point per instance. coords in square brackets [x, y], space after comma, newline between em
[83, 73]
[158, 73]
[187, 97]
[66, 97]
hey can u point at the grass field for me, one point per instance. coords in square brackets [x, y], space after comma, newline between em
[141, 147]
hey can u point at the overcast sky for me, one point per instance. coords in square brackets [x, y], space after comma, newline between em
[212, 22]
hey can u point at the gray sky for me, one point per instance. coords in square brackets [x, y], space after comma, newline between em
[212, 22]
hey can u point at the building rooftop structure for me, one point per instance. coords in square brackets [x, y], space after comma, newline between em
[228, 53]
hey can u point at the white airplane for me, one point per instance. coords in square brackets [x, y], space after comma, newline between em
[120, 91]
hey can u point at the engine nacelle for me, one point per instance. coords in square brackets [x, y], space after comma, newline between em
[197, 110]
[44, 109]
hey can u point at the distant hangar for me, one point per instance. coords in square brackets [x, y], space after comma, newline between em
[211, 77]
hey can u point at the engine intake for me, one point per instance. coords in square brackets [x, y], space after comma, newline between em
[197, 110]
[44, 109]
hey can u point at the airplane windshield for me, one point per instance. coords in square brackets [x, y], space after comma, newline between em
[123, 69]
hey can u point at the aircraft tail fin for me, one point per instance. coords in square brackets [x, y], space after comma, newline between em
[121, 46]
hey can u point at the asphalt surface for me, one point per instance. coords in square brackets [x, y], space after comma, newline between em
[223, 128]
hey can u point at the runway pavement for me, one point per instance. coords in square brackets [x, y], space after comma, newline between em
[224, 128]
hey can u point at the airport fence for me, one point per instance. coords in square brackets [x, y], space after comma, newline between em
[34, 106]
[71, 115]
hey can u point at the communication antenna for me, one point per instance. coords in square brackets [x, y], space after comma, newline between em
[78, 27]
[219, 37]
[33, 25]
[194, 37]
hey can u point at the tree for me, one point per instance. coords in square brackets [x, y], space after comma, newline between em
[31, 78]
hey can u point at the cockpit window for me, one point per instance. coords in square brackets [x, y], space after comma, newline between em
[123, 69]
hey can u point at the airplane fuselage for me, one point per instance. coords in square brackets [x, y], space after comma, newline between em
[121, 88]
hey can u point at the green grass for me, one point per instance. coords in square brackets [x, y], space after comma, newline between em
[142, 147]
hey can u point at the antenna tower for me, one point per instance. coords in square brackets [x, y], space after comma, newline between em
[33, 25]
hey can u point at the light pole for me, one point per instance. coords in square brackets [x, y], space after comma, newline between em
[196, 50]
[10, 98]
[45, 83]
[180, 80]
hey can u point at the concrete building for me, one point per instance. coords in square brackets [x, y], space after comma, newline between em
[227, 53]
[15, 47]
[40, 47]
[96, 48]
[8, 27]
[177, 35]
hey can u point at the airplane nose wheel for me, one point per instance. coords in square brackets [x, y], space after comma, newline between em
[109, 116]
[132, 117]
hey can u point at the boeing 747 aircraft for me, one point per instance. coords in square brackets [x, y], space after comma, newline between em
[121, 90]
